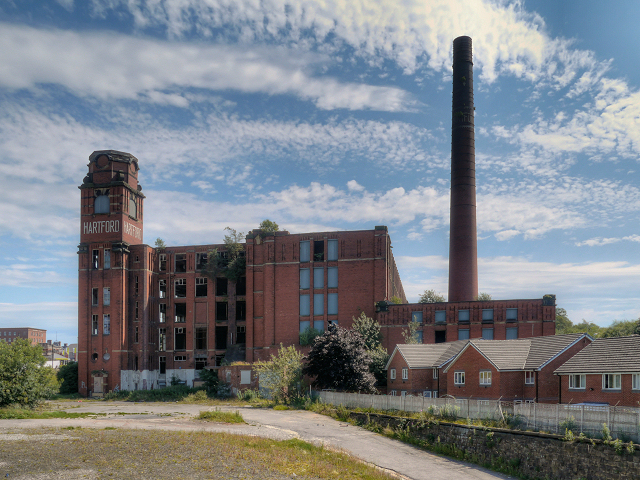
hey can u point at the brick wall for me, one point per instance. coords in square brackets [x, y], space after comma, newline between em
[594, 392]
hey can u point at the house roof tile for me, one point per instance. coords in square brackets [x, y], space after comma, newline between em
[606, 355]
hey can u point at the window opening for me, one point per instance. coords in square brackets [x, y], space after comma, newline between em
[222, 287]
[318, 304]
[241, 334]
[405, 373]
[106, 296]
[201, 287]
[163, 313]
[318, 250]
[180, 338]
[181, 262]
[221, 338]
[181, 312]
[107, 259]
[94, 324]
[163, 289]
[135, 337]
[222, 311]
[106, 324]
[458, 378]
[241, 310]
[441, 336]
[305, 305]
[529, 378]
[163, 365]
[611, 381]
[577, 381]
[162, 339]
[163, 262]
[485, 377]
[94, 296]
[137, 311]
[137, 285]
[241, 286]
[416, 317]
[101, 203]
[201, 338]
[95, 259]
[201, 261]
[463, 316]
[180, 288]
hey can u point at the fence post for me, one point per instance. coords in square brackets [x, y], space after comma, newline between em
[581, 418]
[535, 420]
[557, 416]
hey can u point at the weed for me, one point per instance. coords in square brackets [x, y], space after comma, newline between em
[219, 416]
[569, 424]
[568, 435]
[606, 434]
[631, 448]
[280, 407]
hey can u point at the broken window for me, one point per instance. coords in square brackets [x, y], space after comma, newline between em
[221, 311]
[201, 261]
[180, 338]
[180, 288]
[106, 296]
[181, 262]
[221, 338]
[162, 340]
[181, 312]
[106, 324]
[135, 337]
[218, 360]
[201, 287]
[163, 365]
[94, 296]
[241, 334]
[241, 286]
[137, 286]
[318, 251]
[201, 338]
[163, 262]
[163, 312]
[163, 288]
[241, 310]
[222, 285]
[135, 362]
[94, 324]
[201, 363]
[95, 259]
[107, 259]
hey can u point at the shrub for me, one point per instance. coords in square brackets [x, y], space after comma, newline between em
[68, 378]
[569, 424]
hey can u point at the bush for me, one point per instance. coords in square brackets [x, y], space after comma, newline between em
[308, 335]
[68, 378]
[23, 378]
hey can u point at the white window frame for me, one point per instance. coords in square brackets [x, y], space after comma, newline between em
[435, 373]
[405, 373]
[635, 381]
[582, 380]
[609, 379]
[529, 377]
[392, 374]
[485, 377]
[458, 378]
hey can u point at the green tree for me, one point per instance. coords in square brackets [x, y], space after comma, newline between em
[282, 375]
[484, 297]
[563, 324]
[431, 296]
[230, 262]
[23, 378]
[160, 245]
[370, 331]
[308, 335]
[268, 227]
[339, 360]
[68, 377]
[396, 300]
[621, 328]
[412, 335]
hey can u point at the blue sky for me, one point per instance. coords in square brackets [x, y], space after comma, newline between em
[326, 116]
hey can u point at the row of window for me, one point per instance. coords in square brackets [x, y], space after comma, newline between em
[106, 296]
[222, 311]
[201, 290]
[318, 250]
[318, 304]
[318, 278]
[463, 334]
[317, 325]
[610, 381]
[464, 315]
[180, 261]
[95, 259]
[102, 204]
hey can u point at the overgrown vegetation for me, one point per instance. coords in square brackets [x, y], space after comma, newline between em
[281, 376]
[308, 335]
[231, 262]
[140, 455]
[17, 413]
[370, 331]
[431, 296]
[24, 380]
[68, 377]
[339, 360]
[218, 415]
[412, 335]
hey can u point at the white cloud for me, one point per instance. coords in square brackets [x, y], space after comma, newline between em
[354, 186]
[113, 65]
[58, 318]
[599, 241]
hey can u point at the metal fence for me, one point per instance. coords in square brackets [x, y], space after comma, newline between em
[623, 422]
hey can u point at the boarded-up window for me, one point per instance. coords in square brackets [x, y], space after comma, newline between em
[304, 278]
[305, 251]
[332, 250]
[318, 304]
[304, 305]
[245, 377]
[332, 304]
[318, 278]
[332, 277]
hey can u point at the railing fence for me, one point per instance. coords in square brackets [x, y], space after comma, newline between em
[623, 422]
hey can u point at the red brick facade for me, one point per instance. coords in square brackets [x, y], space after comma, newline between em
[419, 380]
[594, 391]
[35, 335]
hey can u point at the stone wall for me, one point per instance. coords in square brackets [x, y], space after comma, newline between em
[528, 454]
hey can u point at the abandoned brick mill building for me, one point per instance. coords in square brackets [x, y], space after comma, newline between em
[148, 314]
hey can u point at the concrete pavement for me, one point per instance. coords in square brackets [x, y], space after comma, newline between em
[391, 455]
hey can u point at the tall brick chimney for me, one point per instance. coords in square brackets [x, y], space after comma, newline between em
[463, 241]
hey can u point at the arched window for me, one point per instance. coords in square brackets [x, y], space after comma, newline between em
[101, 204]
[133, 208]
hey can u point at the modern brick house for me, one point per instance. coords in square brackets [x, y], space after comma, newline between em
[512, 370]
[606, 372]
[414, 369]
[35, 335]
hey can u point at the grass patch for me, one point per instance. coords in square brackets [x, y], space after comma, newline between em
[218, 415]
[140, 454]
[15, 413]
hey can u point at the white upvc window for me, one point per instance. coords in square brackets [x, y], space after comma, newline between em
[435, 373]
[392, 374]
[635, 381]
[485, 377]
[611, 381]
[577, 382]
[529, 378]
[405, 373]
[458, 378]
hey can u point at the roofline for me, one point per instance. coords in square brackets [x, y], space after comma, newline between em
[564, 350]
[391, 358]
[462, 351]
[612, 372]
